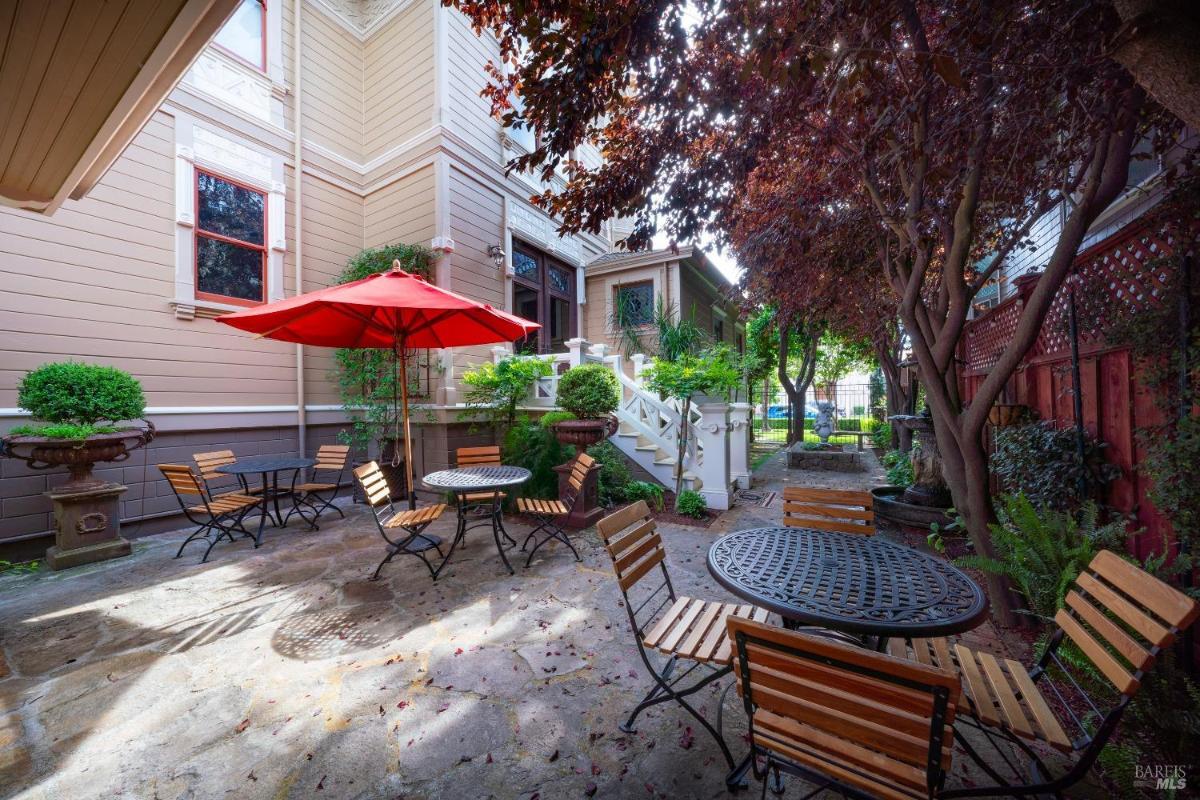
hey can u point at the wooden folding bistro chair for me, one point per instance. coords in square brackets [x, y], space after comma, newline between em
[216, 517]
[331, 462]
[218, 483]
[678, 627]
[552, 514]
[867, 723]
[474, 502]
[1120, 618]
[388, 519]
[841, 510]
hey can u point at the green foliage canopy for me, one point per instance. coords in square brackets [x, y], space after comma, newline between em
[496, 389]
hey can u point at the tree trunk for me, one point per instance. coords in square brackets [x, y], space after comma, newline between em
[685, 413]
[797, 389]
[1158, 45]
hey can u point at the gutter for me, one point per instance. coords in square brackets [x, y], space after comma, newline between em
[297, 202]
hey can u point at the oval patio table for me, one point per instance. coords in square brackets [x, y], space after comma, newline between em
[269, 468]
[475, 480]
[862, 585]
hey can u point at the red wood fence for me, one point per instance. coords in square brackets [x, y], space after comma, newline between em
[1125, 269]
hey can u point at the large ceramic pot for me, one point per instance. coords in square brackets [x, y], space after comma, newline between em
[583, 433]
[77, 455]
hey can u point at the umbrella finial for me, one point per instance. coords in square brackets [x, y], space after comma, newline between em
[396, 266]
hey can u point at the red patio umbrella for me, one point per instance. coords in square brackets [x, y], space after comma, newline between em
[393, 309]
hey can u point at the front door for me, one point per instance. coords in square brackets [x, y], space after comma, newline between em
[544, 292]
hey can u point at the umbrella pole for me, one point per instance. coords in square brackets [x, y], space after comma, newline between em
[408, 465]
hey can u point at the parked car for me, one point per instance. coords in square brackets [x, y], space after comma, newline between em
[781, 411]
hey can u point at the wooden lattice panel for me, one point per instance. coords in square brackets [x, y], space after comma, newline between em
[1126, 273]
[987, 336]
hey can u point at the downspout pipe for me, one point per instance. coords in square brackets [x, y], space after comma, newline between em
[297, 204]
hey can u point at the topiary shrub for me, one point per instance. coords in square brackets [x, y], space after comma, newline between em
[552, 418]
[691, 504]
[74, 397]
[589, 391]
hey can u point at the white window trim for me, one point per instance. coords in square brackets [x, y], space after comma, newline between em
[251, 165]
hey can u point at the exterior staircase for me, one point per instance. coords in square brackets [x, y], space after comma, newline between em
[648, 427]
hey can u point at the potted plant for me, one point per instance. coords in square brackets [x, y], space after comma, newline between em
[77, 410]
[591, 393]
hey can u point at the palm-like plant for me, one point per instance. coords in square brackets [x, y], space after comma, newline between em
[1042, 551]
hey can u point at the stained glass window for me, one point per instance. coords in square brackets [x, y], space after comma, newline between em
[635, 303]
[560, 281]
[525, 265]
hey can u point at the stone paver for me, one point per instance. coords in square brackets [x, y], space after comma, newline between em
[284, 673]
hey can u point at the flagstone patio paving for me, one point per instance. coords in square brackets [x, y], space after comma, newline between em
[283, 672]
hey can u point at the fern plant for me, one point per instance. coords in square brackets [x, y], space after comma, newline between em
[1042, 551]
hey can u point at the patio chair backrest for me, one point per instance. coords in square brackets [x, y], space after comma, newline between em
[841, 510]
[1120, 617]
[579, 472]
[477, 456]
[332, 457]
[207, 463]
[636, 548]
[880, 724]
[183, 481]
[374, 485]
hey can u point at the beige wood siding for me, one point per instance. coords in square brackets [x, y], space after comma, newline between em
[402, 211]
[476, 214]
[697, 299]
[333, 234]
[94, 283]
[333, 86]
[398, 80]
[470, 114]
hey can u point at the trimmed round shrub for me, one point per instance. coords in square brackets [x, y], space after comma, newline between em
[69, 393]
[589, 391]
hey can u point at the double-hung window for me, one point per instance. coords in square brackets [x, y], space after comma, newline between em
[231, 250]
[244, 35]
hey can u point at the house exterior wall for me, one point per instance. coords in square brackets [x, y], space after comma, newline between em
[397, 147]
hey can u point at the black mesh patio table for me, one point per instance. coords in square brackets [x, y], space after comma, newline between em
[269, 468]
[475, 480]
[863, 585]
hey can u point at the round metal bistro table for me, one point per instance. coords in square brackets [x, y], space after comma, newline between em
[269, 468]
[862, 585]
[474, 481]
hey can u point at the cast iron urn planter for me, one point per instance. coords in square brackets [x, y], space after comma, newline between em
[583, 433]
[87, 512]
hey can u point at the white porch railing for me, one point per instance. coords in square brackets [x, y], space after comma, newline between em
[716, 457]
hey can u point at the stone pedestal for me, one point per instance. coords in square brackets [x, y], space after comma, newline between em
[739, 444]
[88, 524]
[712, 434]
[587, 511]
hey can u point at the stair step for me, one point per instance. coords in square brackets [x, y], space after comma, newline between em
[647, 448]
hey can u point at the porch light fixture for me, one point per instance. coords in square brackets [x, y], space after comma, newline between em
[496, 253]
